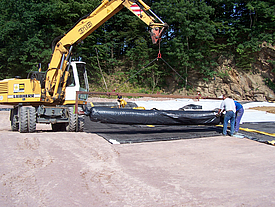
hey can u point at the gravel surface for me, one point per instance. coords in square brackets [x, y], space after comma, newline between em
[48, 168]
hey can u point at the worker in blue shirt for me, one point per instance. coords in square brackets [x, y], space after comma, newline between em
[239, 114]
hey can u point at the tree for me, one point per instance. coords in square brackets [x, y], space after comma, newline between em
[189, 36]
[27, 29]
[199, 31]
[242, 26]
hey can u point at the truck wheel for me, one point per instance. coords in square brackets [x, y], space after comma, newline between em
[71, 126]
[14, 119]
[23, 120]
[31, 119]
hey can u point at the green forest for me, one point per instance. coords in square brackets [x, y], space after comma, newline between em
[199, 31]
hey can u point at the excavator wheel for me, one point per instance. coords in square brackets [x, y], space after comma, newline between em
[81, 123]
[14, 119]
[31, 119]
[23, 120]
[71, 126]
[75, 123]
[27, 119]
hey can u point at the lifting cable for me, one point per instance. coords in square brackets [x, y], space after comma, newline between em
[101, 70]
[159, 57]
[135, 74]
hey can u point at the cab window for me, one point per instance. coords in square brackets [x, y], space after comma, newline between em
[70, 81]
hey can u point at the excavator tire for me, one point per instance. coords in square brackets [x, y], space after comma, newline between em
[23, 120]
[27, 119]
[31, 119]
[71, 126]
[81, 123]
[73, 122]
[14, 119]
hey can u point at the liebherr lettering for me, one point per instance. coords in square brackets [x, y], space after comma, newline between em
[85, 28]
[24, 96]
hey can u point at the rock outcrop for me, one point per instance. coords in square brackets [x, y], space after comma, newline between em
[237, 83]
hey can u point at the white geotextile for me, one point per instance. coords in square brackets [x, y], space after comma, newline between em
[250, 115]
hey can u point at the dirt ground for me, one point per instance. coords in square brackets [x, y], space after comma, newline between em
[82, 169]
[265, 108]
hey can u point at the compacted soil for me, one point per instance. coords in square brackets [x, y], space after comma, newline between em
[48, 168]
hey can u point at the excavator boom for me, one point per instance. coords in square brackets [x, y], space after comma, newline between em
[55, 88]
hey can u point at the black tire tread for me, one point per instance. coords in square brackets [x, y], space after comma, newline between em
[23, 120]
[71, 126]
[31, 119]
[14, 121]
[81, 123]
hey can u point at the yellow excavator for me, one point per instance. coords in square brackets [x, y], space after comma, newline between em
[49, 97]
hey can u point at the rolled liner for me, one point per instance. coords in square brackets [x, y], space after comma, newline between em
[153, 117]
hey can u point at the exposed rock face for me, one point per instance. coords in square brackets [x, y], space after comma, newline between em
[241, 85]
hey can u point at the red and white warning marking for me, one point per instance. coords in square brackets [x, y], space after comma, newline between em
[136, 9]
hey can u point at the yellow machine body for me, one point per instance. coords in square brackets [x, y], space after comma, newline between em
[14, 91]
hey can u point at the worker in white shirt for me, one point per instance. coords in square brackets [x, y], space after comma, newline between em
[229, 107]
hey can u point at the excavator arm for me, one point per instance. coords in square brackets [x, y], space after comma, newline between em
[57, 73]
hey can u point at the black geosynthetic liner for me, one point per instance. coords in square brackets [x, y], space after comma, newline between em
[141, 133]
[155, 117]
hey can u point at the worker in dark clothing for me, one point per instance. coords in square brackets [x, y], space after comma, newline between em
[121, 102]
[239, 114]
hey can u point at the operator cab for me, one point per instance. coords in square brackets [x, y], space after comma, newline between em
[77, 81]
